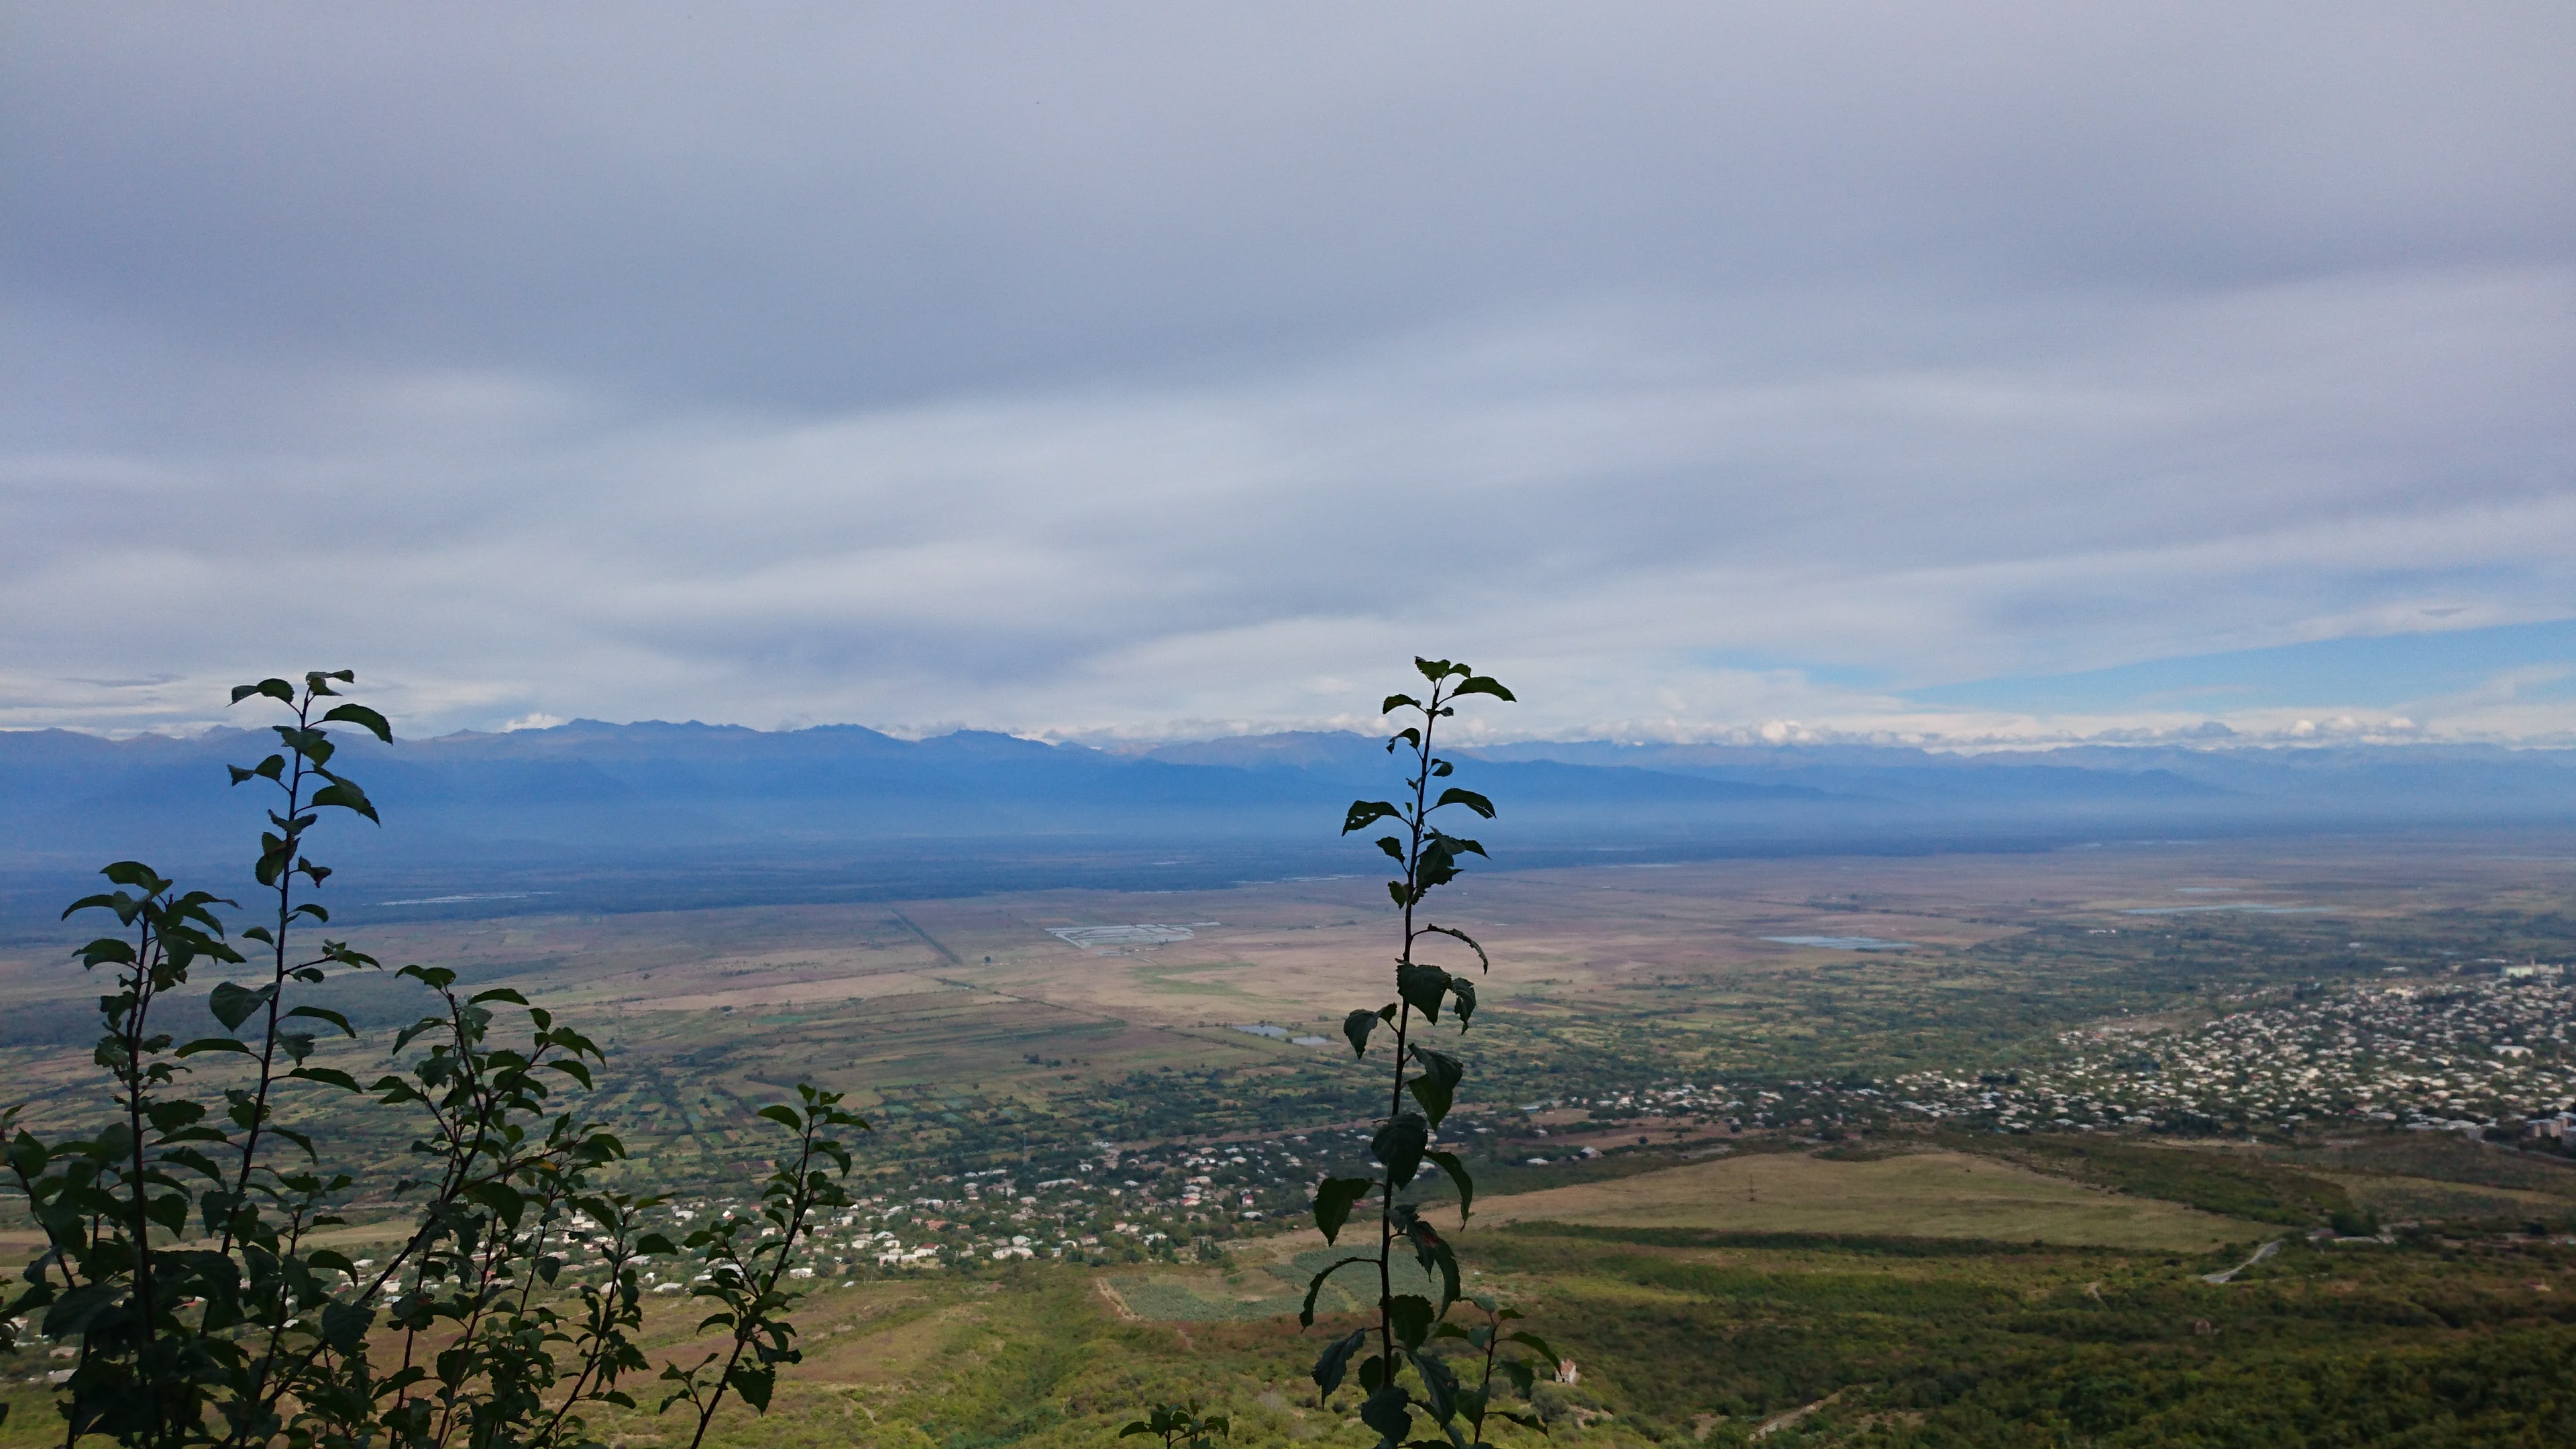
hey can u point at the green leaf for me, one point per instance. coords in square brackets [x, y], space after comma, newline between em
[1438, 864]
[501, 1198]
[1484, 684]
[1463, 991]
[1532, 1340]
[1400, 1145]
[1431, 1250]
[324, 1013]
[1386, 1412]
[212, 1044]
[1457, 795]
[497, 993]
[106, 951]
[1334, 1199]
[1457, 935]
[754, 1382]
[1422, 987]
[1315, 1285]
[784, 1116]
[277, 689]
[1357, 1027]
[1439, 1387]
[345, 1325]
[136, 874]
[1437, 1086]
[1392, 846]
[1411, 1317]
[359, 714]
[1437, 670]
[110, 902]
[1336, 1361]
[232, 1003]
[1457, 1170]
[1363, 812]
[327, 1076]
[1394, 702]
[347, 796]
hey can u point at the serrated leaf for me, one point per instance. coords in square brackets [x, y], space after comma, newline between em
[1335, 1361]
[1356, 1027]
[1455, 934]
[1411, 1316]
[754, 1382]
[345, 1325]
[1439, 1387]
[1387, 1412]
[1334, 1199]
[1400, 1144]
[1437, 1085]
[1422, 987]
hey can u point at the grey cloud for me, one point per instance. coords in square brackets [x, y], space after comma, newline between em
[1095, 370]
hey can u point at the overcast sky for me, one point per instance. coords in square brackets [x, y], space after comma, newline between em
[1914, 371]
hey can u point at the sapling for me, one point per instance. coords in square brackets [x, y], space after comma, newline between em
[1407, 1323]
[179, 1244]
[1180, 1426]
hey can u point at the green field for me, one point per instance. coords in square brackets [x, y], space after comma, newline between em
[1898, 1283]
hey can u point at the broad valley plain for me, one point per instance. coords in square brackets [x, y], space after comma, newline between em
[1847, 1148]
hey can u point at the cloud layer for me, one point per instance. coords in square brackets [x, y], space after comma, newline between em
[1148, 370]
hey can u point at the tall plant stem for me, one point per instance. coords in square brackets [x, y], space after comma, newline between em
[1420, 822]
[293, 836]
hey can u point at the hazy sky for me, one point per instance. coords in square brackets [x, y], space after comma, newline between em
[1971, 371]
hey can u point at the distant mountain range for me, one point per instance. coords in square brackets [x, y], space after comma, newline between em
[616, 816]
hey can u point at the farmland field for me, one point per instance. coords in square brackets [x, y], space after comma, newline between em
[1685, 1175]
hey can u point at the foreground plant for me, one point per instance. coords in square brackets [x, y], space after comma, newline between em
[1179, 1426]
[179, 1239]
[1408, 1323]
[745, 1279]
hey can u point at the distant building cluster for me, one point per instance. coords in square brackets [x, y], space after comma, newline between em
[2475, 1054]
